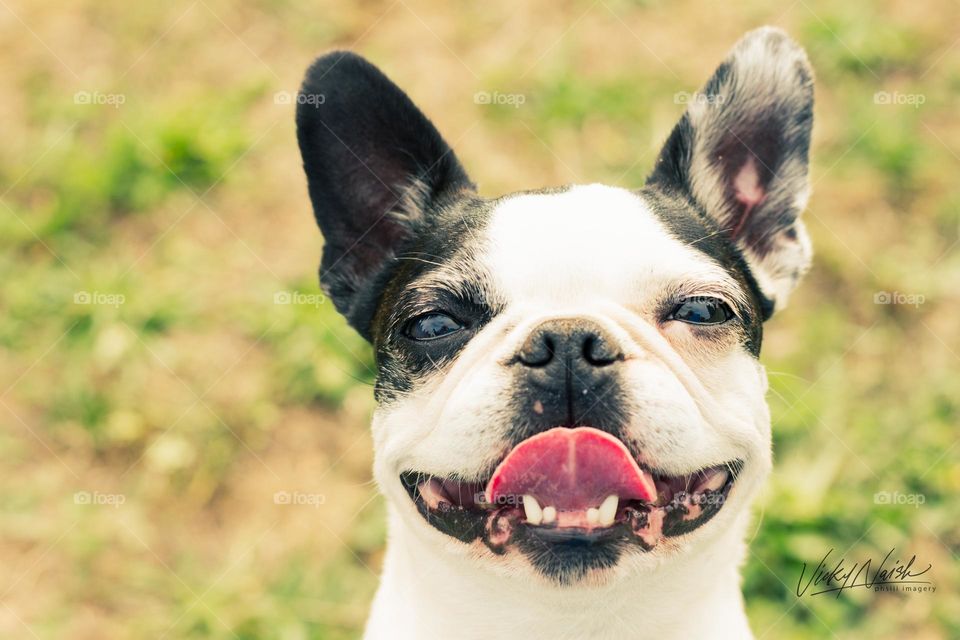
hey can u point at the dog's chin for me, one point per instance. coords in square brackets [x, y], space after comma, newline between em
[576, 538]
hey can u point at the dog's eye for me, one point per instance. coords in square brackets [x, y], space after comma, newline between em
[431, 326]
[702, 311]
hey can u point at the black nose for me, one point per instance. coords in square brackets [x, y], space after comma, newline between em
[567, 345]
[567, 376]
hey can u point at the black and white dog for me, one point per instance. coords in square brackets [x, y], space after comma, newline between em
[571, 421]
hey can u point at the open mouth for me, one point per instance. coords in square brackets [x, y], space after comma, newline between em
[580, 486]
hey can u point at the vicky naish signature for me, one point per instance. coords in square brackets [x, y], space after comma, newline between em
[840, 577]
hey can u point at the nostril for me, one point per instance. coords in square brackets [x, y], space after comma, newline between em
[598, 352]
[576, 342]
[548, 343]
[537, 352]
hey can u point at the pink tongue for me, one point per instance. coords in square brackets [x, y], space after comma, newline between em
[570, 469]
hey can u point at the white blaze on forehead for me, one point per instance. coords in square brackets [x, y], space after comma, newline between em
[589, 242]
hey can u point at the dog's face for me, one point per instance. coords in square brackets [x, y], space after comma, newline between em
[568, 379]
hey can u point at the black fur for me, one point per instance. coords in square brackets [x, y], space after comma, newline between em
[567, 561]
[369, 154]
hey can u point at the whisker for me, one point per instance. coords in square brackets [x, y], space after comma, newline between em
[412, 259]
[787, 375]
[709, 235]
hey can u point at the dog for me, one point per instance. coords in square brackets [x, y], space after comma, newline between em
[570, 422]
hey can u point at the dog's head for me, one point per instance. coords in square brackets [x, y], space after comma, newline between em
[568, 382]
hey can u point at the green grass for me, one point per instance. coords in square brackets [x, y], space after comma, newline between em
[187, 386]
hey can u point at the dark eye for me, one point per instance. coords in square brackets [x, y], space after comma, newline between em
[431, 326]
[702, 311]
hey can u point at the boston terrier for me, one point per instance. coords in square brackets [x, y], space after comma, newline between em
[570, 422]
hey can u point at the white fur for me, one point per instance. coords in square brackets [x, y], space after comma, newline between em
[598, 252]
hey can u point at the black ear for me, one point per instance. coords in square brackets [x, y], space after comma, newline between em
[740, 154]
[374, 164]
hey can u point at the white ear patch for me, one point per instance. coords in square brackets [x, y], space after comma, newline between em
[779, 271]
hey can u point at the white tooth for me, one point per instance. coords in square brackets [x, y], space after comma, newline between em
[593, 515]
[608, 510]
[432, 493]
[714, 481]
[549, 515]
[532, 510]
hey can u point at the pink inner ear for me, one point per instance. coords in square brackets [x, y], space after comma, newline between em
[747, 190]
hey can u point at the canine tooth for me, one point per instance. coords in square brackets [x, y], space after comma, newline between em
[549, 515]
[608, 510]
[531, 508]
[714, 481]
[593, 515]
[431, 492]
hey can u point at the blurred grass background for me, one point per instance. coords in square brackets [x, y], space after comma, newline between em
[166, 366]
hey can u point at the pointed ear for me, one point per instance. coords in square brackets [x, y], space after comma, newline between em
[740, 154]
[374, 165]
